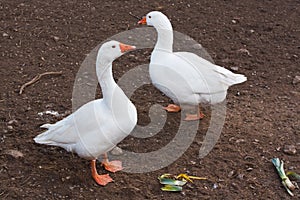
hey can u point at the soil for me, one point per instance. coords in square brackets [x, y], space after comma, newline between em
[258, 38]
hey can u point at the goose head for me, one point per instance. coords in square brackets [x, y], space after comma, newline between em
[157, 20]
[113, 49]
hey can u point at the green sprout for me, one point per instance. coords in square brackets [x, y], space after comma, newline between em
[289, 186]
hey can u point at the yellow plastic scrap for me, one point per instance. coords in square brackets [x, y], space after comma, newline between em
[174, 183]
[189, 178]
[293, 176]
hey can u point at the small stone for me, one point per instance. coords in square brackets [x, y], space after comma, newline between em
[278, 148]
[241, 176]
[14, 153]
[252, 186]
[93, 9]
[290, 149]
[296, 80]
[234, 21]
[197, 46]
[235, 186]
[193, 162]
[5, 35]
[240, 141]
[245, 51]
[215, 185]
[10, 127]
[12, 121]
[234, 68]
[249, 169]
[55, 38]
[230, 174]
[117, 151]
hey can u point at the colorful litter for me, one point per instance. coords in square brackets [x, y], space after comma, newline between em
[174, 183]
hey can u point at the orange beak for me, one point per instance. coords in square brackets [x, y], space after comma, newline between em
[143, 21]
[124, 47]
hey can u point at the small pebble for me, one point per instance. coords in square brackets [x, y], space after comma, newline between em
[234, 68]
[296, 80]
[197, 46]
[193, 162]
[10, 127]
[239, 141]
[241, 176]
[14, 153]
[246, 51]
[55, 38]
[117, 151]
[249, 169]
[12, 121]
[278, 148]
[290, 149]
[235, 186]
[215, 186]
[5, 35]
[230, 174]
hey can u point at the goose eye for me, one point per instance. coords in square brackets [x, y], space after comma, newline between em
[114, 46]
[149, 16]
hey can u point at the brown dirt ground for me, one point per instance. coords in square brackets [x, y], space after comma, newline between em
[259, 122]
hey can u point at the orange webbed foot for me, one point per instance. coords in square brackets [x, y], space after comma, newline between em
[194, 117]
[100, 179]
[172, 108]
[113, 166]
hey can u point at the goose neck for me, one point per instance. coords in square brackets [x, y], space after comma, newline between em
[106, 80]
[164, 39]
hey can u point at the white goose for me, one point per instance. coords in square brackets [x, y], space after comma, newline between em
[183, 76]
[98, 126]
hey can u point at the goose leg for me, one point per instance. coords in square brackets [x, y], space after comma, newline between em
[112, 166]
[172, 108]
[193, 117]
[100, 179]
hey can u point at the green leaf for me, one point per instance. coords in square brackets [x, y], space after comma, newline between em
[285, 180]
[168, 181]
[279, 167]
[293, 176]
[172, 188]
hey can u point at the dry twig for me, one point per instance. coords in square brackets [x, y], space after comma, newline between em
[36, 78]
